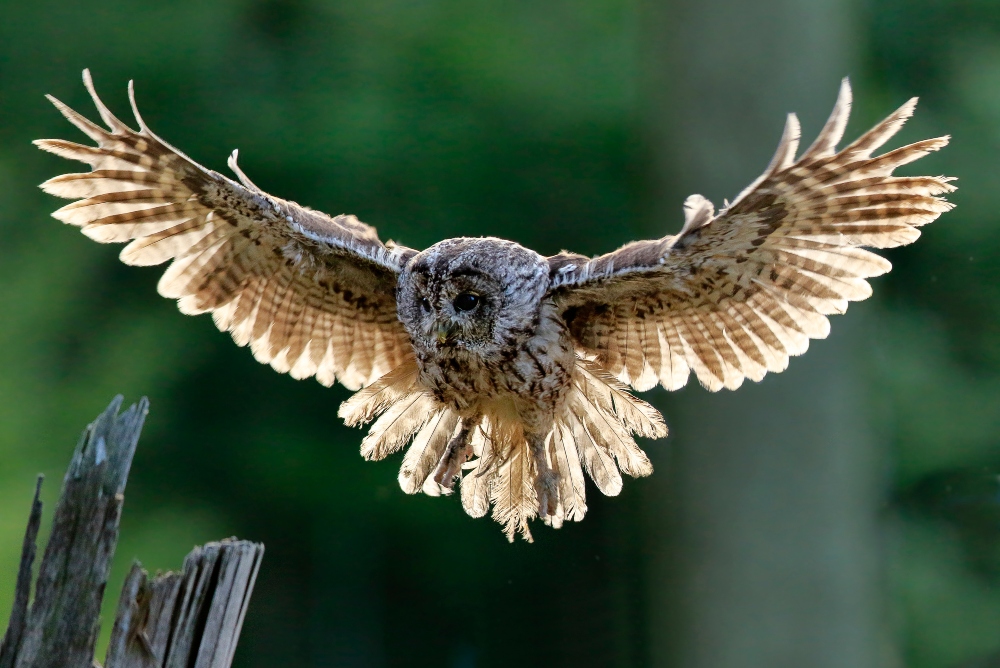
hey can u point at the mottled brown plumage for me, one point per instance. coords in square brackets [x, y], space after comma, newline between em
[505, 370]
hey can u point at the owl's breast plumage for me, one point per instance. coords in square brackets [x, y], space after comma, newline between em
[534, 370]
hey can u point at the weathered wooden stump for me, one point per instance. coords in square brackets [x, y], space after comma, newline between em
[190, 619]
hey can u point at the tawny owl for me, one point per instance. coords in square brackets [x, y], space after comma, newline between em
[507, 371]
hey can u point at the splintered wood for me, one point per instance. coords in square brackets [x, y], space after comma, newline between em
[190, 619]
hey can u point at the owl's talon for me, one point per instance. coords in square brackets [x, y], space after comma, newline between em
[546, 481]
[457, 453]
[547, 491]
[449, 469]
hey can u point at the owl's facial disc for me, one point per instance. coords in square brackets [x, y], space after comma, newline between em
[470, 294]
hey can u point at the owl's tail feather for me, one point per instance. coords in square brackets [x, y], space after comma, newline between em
[603, 416]
[593, 432]
[477, 476]
[410, 415]
[503, 473]
[428, 449]
[365, 404]
[565, 461]
[610, 397]
[407, 411]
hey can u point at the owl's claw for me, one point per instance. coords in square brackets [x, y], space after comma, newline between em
[457, 453]
[547, 492]
[546, 481]
[450, 467]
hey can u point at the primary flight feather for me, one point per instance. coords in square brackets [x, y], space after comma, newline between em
[504, 370]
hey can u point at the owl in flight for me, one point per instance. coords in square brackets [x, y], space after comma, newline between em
[506, 371]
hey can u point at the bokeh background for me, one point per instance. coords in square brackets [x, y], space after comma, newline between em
[845, 513]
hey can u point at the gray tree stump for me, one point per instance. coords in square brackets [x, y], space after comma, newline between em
[190, 619]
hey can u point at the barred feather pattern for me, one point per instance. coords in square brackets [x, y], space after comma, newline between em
[524, 396]
[310, 294]
[734, 295]
[592, 433]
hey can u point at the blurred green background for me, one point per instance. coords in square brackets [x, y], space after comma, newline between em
[845, 513]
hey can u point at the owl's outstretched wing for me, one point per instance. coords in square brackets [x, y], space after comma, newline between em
[733, 295]
[312, 295]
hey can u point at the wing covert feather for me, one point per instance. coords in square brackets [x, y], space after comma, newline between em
[733, 295]
[310, 294]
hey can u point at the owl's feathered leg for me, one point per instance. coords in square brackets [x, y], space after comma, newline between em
[546, 479]
[457, 452]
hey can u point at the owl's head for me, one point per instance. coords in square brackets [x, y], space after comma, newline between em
[480, 295]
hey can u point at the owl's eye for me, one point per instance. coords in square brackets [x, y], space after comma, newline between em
[425, 304]
[466, 301]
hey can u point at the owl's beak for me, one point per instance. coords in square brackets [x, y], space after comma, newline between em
[444, 332]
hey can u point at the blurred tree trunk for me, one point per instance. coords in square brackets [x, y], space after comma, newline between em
[763, 510]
